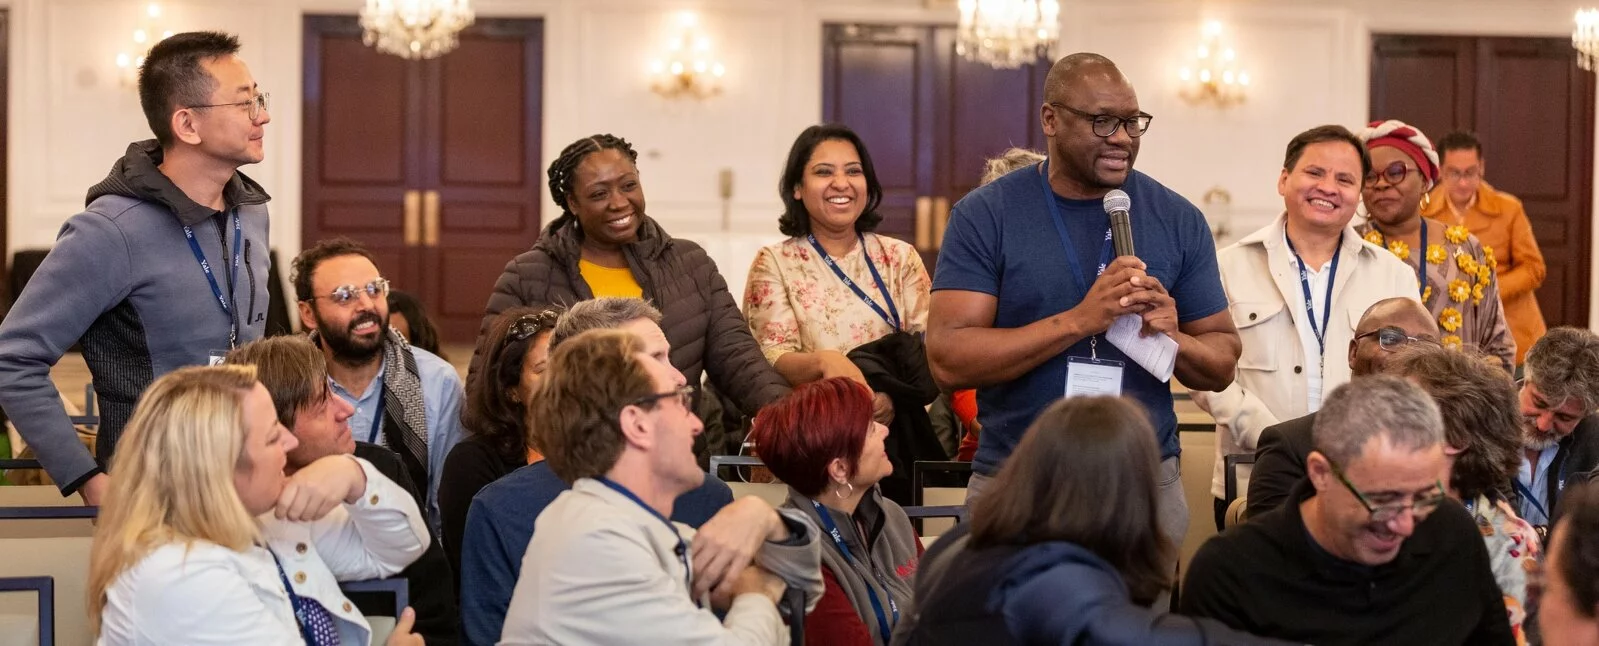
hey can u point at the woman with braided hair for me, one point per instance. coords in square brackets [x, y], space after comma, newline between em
[1454, 275]
[604, 244]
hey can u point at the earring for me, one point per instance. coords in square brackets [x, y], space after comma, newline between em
[1426, 200]
[845, 493]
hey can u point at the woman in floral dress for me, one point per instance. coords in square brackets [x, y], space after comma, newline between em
[1458, 284]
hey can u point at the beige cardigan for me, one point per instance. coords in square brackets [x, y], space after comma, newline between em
[1270, 385]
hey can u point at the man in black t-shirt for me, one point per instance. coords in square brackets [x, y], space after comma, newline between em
[1368, 549]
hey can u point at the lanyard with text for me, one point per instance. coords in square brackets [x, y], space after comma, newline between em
[297, 603]
[216, 290]
[1071, 251]
[884, 628]
[682, 547]
[377, 422]
[892, 315]
[1310, 305]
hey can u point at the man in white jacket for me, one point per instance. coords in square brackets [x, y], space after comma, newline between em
[1296, 288]
[605, 566]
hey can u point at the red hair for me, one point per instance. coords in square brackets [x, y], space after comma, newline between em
[799, 435]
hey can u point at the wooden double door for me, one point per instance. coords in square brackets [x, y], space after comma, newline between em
[1532, 107]
[928, 117]
[434, 165]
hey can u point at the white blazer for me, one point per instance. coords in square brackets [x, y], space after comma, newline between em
[204, 593]
[602, 570]
[1271, 384]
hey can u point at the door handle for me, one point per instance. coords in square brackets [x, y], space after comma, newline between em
[924, 223]
[430, 219]
[940, 220]
[413, 218]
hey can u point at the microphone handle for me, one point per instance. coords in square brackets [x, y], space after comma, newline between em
[1121, 233]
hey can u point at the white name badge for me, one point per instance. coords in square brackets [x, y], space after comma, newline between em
[216, 357]
[1087, 377]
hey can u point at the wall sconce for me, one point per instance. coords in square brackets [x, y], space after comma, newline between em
[688, 68]
[132, 56]
[1215, 77]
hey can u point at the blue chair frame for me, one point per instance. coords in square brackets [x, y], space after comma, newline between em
[45, 586]
[399, 587]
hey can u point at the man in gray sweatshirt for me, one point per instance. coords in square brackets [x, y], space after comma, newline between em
[166, 267]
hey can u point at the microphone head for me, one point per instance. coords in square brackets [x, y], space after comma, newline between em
[1117, 200]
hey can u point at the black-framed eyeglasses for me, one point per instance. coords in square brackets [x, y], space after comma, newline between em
[1394, 173]
[684, 394]
[345, 294]
[1392, 338]
[1105, 125]
[1420, 506]
[528, 325]
[258, 104]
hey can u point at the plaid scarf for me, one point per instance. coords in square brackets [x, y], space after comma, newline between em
[402, 399]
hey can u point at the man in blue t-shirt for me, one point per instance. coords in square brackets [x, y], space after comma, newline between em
[1016, 301]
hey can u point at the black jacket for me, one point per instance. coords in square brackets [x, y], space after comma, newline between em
[896, 365]
[429, 578]
[1279, 463]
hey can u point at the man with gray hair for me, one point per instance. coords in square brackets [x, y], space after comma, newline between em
[1561, 435]
[499, 522]
[1369, 549]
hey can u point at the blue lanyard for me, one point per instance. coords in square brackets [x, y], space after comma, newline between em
[295, 602]
[205, 266]
[1066, 238]
[682, 547]
[377, 422]
[1310, 306]
[892, 315]
[884, 628]
[1526, 494]
[1421, 258]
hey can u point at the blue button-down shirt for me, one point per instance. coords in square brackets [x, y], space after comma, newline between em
[441, 404]
[1537, 482]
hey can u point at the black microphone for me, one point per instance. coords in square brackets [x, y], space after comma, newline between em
[1117, 205]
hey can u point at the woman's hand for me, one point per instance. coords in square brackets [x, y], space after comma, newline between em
[402, 635]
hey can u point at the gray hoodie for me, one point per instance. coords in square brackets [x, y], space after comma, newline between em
[123, 281]
[891, 542]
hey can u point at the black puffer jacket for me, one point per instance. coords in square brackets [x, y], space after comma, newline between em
[699, 316]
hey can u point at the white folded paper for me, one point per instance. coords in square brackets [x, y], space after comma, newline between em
[1156, 353]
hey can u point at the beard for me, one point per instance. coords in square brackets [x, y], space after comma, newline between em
[1534, 440]
[349, 349]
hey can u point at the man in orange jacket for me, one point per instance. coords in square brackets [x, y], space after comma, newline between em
[1500, 223]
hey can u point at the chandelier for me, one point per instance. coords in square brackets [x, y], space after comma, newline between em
[688, 68]
[1216, 77]
[414, 29]
[1585, 37]
[1007, 34]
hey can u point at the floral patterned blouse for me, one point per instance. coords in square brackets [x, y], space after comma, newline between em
[795, 303]
[1461, 289]
[1512, 553]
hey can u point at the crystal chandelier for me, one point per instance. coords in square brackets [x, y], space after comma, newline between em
[1007, 34]
[414, 28]
[1585, 37]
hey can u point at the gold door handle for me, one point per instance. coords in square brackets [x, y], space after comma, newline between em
[924, 223]
[940, 220]
[413, 218]
[430, 219]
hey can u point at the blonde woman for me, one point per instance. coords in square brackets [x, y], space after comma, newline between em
[203, 540]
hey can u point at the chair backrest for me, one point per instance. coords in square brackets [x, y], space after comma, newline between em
[1233, 475]
[39, 629]
[938, 483]
[65, 559]
[774, 493]
[381, 618]
[40, 511]
[947, 516]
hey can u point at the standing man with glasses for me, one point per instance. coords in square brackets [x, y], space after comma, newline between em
[1500, 223]
[1370, 549]
[166, 267]
[1027, 285]
[1297, 287]
[405, 398]
[1387, 327]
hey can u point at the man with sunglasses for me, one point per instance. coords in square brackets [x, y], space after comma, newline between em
[1027, 283]
[1560, 429]
[405, 398]
[1370, 549]
[166, 267]
[1297, 287]
[1386, 327]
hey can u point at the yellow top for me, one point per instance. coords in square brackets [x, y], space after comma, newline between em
[606, 281]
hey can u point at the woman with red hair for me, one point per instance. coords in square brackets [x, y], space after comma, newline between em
[821, 441]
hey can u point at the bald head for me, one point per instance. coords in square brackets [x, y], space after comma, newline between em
[1366, 354]
[1069, 73]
